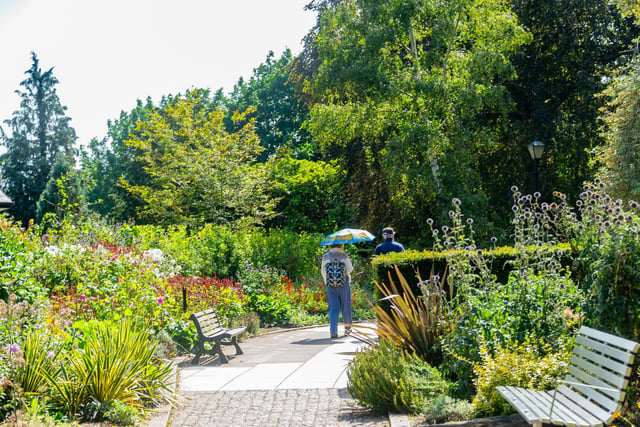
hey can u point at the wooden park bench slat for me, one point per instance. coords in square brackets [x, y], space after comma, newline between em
[592, 391]
[210, 330]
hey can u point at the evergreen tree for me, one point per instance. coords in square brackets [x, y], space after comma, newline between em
[39, 132]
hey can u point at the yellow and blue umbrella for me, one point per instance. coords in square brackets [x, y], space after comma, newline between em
[348, 235]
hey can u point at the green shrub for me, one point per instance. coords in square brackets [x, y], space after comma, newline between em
[445, 408]
[298, 255]
[272, 311]
[518, 365]
[387, 378]
[539, 301]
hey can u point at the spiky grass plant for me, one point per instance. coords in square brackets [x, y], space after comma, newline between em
[415, 322]
[114, 362]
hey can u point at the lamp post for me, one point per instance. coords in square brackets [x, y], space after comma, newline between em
[536, 148]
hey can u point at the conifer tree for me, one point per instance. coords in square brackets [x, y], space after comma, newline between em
[39, 133]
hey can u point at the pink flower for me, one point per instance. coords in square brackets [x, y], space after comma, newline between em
[82, 297]
[160, 300]
[135, 262]
[115, 257]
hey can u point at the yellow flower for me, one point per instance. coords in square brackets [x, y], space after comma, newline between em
[638, 403]
[615, 415]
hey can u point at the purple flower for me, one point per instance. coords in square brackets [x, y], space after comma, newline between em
[160, 300]
[82, 297]
[14, 348]
[51, 355]
[115, 257]
[135, 262]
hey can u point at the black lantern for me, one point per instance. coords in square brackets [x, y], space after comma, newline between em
[536, 148]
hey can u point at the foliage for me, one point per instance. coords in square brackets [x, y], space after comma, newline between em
[606, 235]
[620, 164]
[279, 112]
[445, 408]
[387, 378]
[39, 351]
[198, 172]
[416, 323]
[295, 254]
[18, 247]
[310, 194]
[520, 365]
[112, 362]
[539, 302]
[40, 132]
[406, 95]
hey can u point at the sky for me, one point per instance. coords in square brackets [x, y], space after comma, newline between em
[106, 54]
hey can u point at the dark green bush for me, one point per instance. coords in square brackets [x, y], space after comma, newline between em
[418, 265]
[388, 378]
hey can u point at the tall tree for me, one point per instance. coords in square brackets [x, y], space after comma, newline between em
[407, 94]
[198, 172]
[279, 111]
[576, 47]
[39, 133]
[111, 159]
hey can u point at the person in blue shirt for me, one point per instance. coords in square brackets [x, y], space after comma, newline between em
[389, 244]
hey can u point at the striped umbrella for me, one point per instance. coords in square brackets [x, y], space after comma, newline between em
[348, 235]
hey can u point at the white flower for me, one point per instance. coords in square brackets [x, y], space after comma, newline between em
[154, 255]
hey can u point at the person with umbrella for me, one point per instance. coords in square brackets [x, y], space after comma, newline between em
[336, 271]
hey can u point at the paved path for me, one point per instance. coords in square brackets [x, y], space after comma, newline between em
[292, 378]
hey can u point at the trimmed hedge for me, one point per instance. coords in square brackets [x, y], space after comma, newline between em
[421, 265]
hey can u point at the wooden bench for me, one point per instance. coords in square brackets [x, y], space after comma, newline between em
[210, 330]
[592, 391]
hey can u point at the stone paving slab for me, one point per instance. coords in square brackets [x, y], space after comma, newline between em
[294, 378]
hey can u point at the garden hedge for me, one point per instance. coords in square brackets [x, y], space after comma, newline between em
[422, 265]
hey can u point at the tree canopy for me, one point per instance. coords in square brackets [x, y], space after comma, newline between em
[198, 172]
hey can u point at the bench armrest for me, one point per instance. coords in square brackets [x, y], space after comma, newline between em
[558, 382]
[586, 385]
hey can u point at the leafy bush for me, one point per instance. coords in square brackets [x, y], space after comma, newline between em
[445, 408]
[272, 311]
[385, 377]
[521, 365]
[296, 254]
[310, 193]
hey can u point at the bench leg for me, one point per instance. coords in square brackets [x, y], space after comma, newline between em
[199, 352]
[218, 349]
[234, 341]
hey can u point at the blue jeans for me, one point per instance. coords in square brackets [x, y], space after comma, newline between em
[339, 302]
